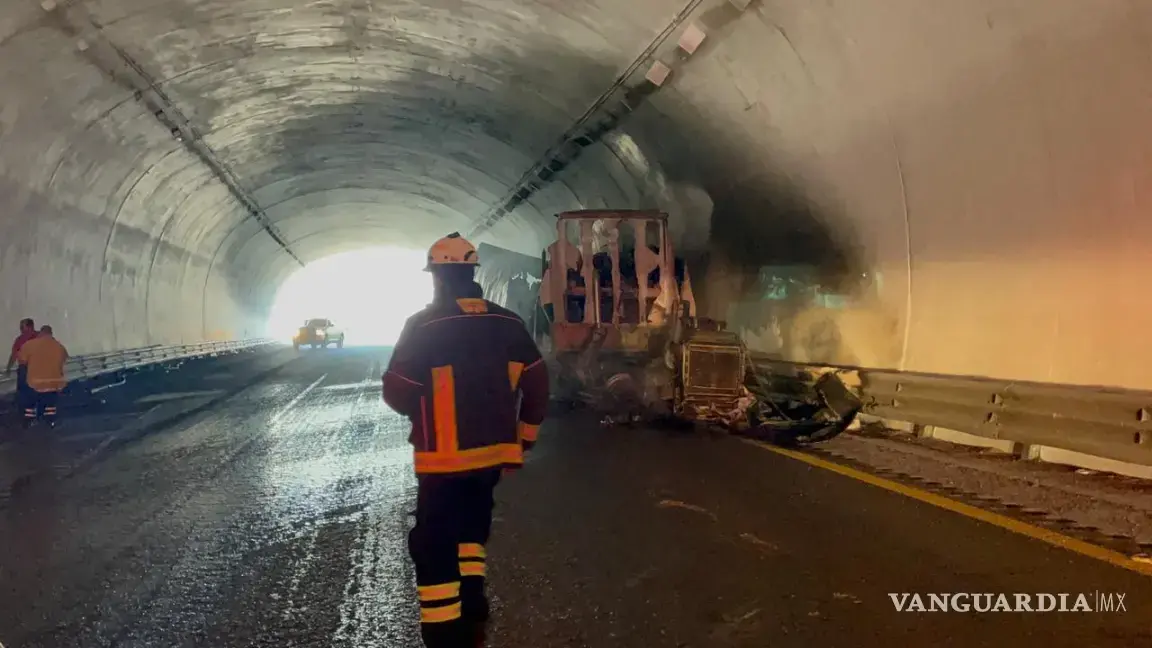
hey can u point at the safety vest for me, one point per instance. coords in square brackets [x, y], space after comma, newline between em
[470, 378]
[45, 358]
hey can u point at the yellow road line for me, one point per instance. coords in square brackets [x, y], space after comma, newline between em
[1002, 521]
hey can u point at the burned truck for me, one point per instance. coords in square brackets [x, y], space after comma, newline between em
[625, 339]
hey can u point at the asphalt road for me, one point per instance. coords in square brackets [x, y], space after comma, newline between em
[279, 516]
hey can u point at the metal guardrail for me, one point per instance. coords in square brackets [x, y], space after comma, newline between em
[98, 364]
[1101, 421]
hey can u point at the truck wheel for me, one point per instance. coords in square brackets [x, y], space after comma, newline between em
[296, 346]
[313, 345]
[340, 344]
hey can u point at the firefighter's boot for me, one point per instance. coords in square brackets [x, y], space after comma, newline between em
[479, 634]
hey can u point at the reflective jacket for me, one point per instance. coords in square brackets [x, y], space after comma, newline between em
[45, 357]
[469, 376]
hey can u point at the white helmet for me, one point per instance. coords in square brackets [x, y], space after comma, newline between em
[452, 250]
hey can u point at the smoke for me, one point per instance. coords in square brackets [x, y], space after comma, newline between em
[688, 205]
[689, 209]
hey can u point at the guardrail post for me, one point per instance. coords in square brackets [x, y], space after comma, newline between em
[1026, 452]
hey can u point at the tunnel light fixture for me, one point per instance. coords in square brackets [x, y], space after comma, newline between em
[47, 5]
[658, 73]
[82, 45]
[691, 39]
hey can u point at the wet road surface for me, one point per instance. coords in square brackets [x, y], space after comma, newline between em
[280, 516]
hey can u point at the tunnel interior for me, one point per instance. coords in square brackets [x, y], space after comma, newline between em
[886, 185]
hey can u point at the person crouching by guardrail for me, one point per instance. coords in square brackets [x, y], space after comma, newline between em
[45, 358]
[27, 332]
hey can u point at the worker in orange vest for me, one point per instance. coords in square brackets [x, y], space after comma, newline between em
[469, 376]
[45, 357]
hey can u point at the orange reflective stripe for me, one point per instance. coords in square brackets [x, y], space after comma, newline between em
[43, 385]
[472, 550]
[444, 409]
[514, 371]
[470, 305]
[473, 569]
[463, 460]
[440, 614]
[441, 592]
[528, 432]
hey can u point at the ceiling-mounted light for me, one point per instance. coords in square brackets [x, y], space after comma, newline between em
[691, 39]
[48, 5]
[658, 73]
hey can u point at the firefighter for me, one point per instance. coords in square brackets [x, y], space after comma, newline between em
[27, 332]
[468, 375]
[45, 358]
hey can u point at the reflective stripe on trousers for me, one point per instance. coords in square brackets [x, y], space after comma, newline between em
[453, 521]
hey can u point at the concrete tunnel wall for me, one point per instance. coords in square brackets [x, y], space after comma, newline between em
[968, 179]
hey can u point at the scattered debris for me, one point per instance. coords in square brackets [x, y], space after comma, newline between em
[757, 541]
[740, 620]
[691, 507]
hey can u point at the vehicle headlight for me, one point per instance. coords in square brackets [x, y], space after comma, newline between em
[319, 332]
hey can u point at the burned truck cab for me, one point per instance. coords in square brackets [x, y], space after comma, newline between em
[624, 337]
[612, 268]
[616, 297]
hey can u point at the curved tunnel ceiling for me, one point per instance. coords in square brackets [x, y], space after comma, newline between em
[959, 186]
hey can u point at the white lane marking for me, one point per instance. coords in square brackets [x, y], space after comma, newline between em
[159, 398]
[141, 423]
[352, 386]
[292, 403]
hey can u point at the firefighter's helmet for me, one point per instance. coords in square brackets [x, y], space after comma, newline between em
[452, 250]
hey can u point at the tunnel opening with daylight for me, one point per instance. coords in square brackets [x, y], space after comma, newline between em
[879, 185]
[366, 294]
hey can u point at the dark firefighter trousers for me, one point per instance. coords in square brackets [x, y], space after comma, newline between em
[22, 389]
[447, 545]
[38, 404]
